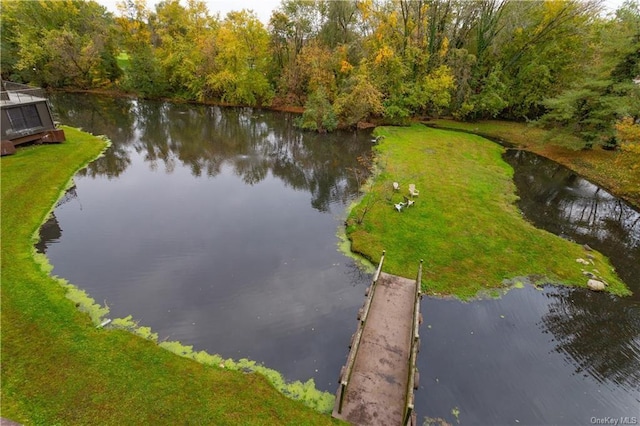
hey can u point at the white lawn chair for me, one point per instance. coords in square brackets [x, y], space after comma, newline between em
[396, 186]
[413, 191]
[408, 202]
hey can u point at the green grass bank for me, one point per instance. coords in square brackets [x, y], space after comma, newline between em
[59, 368]
[617, 171]
[464, 224]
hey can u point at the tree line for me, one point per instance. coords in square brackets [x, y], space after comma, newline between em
[563, 63]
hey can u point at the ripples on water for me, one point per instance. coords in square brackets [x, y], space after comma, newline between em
[216, 227]
[549, 356]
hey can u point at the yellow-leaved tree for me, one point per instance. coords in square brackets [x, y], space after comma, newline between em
[628, 134]
[242, 61]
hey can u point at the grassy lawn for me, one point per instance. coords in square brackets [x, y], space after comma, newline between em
[58, 368]
[123, 61]
[464, 224]
[616, 171]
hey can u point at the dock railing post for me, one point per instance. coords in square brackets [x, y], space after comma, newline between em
[343, 388]
[407, 417]
[379, 269]
[415, 340]
[419, 279]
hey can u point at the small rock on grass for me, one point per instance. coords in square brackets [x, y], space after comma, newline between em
[595, 285]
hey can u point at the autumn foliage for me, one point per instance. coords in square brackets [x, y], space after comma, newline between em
[389, 60]
[628, 133]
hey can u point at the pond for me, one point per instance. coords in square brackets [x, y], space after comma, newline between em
[217, 228]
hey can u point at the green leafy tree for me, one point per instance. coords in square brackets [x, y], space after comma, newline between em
[315, 66]
[292, 26]
[592, 110]
[59, 43]
[144, 75]
[432, 95]
[339, 22]
[592, 107]
[390, 55]
[548, 47]
[242, 61]
[490, 101]
[318, 115]
[359, 100]
[462, 64]
[183, 36]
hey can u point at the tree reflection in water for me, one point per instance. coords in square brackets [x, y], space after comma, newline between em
[205, 138]
[217, 219]
[600, 332]
[100, 116]
[50, 231]
[556, 199]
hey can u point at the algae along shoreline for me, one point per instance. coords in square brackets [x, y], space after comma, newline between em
[464, 223]
[59, 368]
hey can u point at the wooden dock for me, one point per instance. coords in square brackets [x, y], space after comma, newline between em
[377, 383]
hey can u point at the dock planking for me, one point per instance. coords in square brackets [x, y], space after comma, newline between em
[378, 380]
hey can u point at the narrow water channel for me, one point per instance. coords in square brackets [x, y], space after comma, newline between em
[217, 228]
[554, 198]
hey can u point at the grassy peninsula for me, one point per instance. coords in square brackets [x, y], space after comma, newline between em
[58, 368]
[464, 224]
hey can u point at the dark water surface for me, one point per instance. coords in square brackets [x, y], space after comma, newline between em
[217, 228]
[558, 200]
[549, 356]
